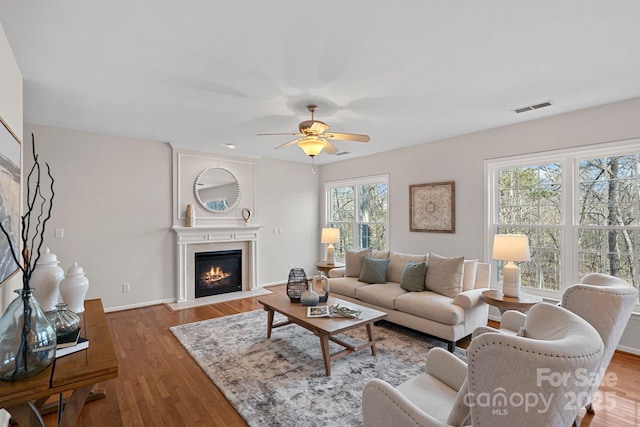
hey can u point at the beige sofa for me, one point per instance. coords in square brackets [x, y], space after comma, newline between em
[450, 315]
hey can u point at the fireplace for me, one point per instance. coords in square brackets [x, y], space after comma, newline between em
[217, 272]
[193, 240]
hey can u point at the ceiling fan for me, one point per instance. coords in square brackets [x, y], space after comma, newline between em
[313, 136]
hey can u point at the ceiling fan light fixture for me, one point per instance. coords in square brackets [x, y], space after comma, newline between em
[312, 146]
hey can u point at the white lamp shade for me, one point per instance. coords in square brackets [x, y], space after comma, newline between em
[511, 247]
[330, 235]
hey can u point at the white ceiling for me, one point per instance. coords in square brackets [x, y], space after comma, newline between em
[204, 73]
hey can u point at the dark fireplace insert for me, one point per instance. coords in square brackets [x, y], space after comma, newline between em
[218, 272]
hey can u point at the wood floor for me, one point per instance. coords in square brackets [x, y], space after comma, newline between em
[161, 385]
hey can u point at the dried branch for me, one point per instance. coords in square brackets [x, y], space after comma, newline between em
[35, 199]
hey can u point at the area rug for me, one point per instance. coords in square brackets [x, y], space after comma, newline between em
[281, 381]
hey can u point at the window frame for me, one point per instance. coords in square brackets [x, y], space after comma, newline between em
[569, 159]
[356, 182]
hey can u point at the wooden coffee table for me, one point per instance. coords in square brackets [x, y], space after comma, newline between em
[324, 327]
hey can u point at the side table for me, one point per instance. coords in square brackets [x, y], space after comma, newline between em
[76, 373]
[522, 303]
[324, 267]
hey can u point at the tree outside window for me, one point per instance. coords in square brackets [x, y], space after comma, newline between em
[359, 208]
[579, 208]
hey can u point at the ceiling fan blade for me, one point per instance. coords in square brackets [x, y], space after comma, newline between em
[319, 127]
[312, 127]
[281, 133]
[286, 144]
[330, 148]
[347, 136]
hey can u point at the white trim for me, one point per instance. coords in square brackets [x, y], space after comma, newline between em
[569, 159]
[371, 179]
[191, 239]
[137, 305]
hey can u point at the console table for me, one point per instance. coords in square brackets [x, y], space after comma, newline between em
[77, 372]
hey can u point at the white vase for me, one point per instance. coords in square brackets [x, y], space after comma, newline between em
[321, 281]
[73, 288]
[310, 297]
[45, 281]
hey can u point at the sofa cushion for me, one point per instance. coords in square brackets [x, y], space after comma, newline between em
[345, 286]
[375, 253]
[430, 305]
[469, 270]
[383, 295]
[444, 275]
[397, 262]
[374, 270]
[413, 276]
[353, 261]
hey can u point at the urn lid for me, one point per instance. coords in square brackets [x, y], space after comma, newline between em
[47, 258]
[75, 270]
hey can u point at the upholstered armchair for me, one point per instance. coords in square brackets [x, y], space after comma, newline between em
[532, 379]
[605, 301]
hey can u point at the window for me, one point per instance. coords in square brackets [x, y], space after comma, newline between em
[608, 216]
[359, 208]
[580, 209]
[529, 202]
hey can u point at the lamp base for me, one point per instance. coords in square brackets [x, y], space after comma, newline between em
[330, 255]
[511, 280]
[511, 290]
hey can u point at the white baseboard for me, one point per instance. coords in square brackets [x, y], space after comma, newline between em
[628, 349]
[138, 305]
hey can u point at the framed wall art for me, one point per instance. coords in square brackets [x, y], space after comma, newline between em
[432, 207]
[9, 199]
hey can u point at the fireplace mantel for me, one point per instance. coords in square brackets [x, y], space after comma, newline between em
[188, 237]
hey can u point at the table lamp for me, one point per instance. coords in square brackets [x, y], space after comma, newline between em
[510, 248]
[330, 236]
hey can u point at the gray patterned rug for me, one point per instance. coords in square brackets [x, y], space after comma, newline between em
[281, 381]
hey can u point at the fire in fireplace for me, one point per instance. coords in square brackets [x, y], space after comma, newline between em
[218, 272]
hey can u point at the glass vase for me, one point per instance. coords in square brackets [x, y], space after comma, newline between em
[28, 343]
[65, 321]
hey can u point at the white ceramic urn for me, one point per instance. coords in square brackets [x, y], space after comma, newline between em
[73, 288]
[45, 281]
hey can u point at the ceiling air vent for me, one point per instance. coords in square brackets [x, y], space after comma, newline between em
[533, 107]
[342, 153]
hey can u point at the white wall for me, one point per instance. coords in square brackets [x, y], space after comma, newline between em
[11, 113]
[288, 197]
[461, 159]
[114, 201]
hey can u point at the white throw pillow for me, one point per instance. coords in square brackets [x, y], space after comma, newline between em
[398, 261]
[353, 261]
[444, 275]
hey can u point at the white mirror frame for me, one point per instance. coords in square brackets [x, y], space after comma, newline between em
[232, 180]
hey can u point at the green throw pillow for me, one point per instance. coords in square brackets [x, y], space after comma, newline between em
[374, 270]
[413, 276]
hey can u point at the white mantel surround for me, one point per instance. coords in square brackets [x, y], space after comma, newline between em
[211, 238]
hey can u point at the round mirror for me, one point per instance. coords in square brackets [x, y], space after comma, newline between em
[217, 190]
